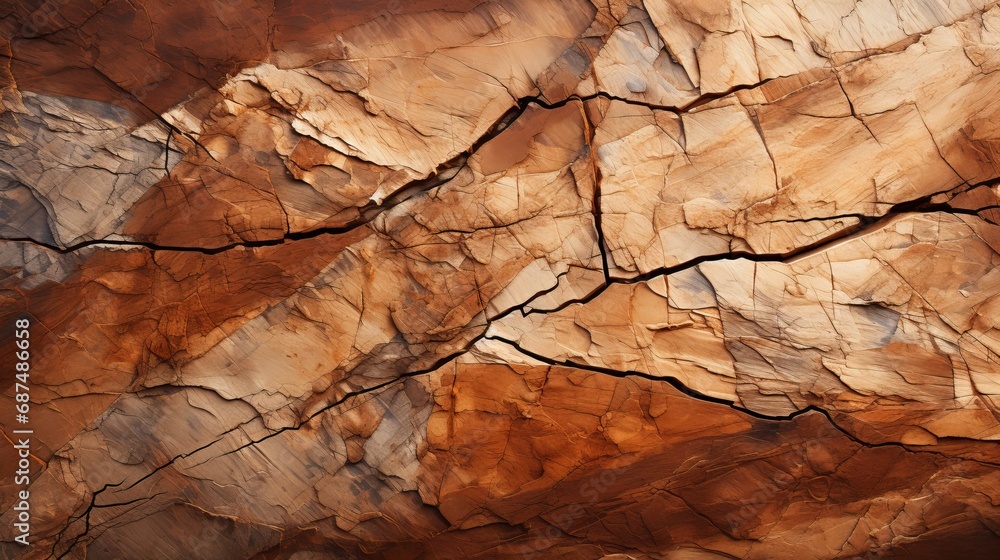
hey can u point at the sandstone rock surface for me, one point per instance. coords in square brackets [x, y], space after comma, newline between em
[503, 279]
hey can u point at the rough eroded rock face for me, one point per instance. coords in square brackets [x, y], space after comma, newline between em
[503, 279]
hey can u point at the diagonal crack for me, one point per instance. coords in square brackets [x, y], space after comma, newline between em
[866, 224]
[442, 174]
[680, 386]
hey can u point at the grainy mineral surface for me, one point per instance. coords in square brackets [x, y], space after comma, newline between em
[448, 279]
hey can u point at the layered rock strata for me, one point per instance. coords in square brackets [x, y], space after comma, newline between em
[503, 279]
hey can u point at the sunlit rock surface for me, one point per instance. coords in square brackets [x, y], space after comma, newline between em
[505, 279]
